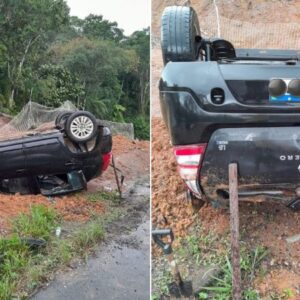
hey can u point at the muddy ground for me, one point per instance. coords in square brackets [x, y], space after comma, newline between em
[262, 224]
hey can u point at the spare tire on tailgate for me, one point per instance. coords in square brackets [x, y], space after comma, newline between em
[180, 34]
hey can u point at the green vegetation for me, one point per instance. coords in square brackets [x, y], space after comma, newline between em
[49, 56]
[92, 234]
[38, 224]
[141, 126]
[103, 195]
[221, 286]
[212, 250]
[22, 269]
[286, 294]
[16, 255]
[204, 249]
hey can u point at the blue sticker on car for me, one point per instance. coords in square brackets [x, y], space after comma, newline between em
[285, 98]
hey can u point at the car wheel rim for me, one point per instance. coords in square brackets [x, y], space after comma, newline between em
[82, 127]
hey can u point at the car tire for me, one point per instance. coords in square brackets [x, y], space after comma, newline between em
[61, 119]
[81, 127]
[180, 34]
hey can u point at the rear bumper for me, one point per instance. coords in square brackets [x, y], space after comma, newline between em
[268, 160]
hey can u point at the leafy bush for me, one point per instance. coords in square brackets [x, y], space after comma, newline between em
[56, 84]
[141, 127]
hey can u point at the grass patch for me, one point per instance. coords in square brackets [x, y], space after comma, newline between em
[61, 251]
[285, 295]
[39, 223]
[6, 287]
[88, 236]
[22, 269]
[204, 249]
[221, 286]
[16, 256]
[103, 196]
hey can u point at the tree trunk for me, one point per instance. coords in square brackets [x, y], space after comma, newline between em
[29, 44]
[11, 101]
[18, 72]
[143, 95]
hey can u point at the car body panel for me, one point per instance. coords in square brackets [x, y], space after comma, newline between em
[189, 123]
[246, 128]
[268, 158]
[199, 78]
[48, 154]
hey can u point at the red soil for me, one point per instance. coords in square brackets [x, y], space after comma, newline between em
[71, 208]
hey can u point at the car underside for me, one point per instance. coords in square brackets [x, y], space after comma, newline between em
[223, 105]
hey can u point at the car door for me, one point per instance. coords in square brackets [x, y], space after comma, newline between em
[46, 155]
[12, 159]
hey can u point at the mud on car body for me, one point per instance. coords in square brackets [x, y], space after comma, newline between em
[58, 162]
[224, 105]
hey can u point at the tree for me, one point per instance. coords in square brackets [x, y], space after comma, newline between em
[72, 30]
[140, 42]
[50, 57]
[95, 27]
[26, 28]
[56, 85]
[101, 67]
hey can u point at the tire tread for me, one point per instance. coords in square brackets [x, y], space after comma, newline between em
[178, 34]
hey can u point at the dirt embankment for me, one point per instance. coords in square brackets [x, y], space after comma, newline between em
[255, 11]
[262, 224]
[71, 208]
[168, 205]
[132, 158]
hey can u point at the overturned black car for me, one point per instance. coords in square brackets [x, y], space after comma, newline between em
[224, 105]
[59, 161]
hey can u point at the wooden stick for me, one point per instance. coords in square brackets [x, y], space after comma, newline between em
[116, 177]
[234, 226]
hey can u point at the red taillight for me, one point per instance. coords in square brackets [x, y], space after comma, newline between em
[189, 159]
[106, 157]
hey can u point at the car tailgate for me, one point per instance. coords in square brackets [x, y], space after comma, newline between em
[267, 156]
